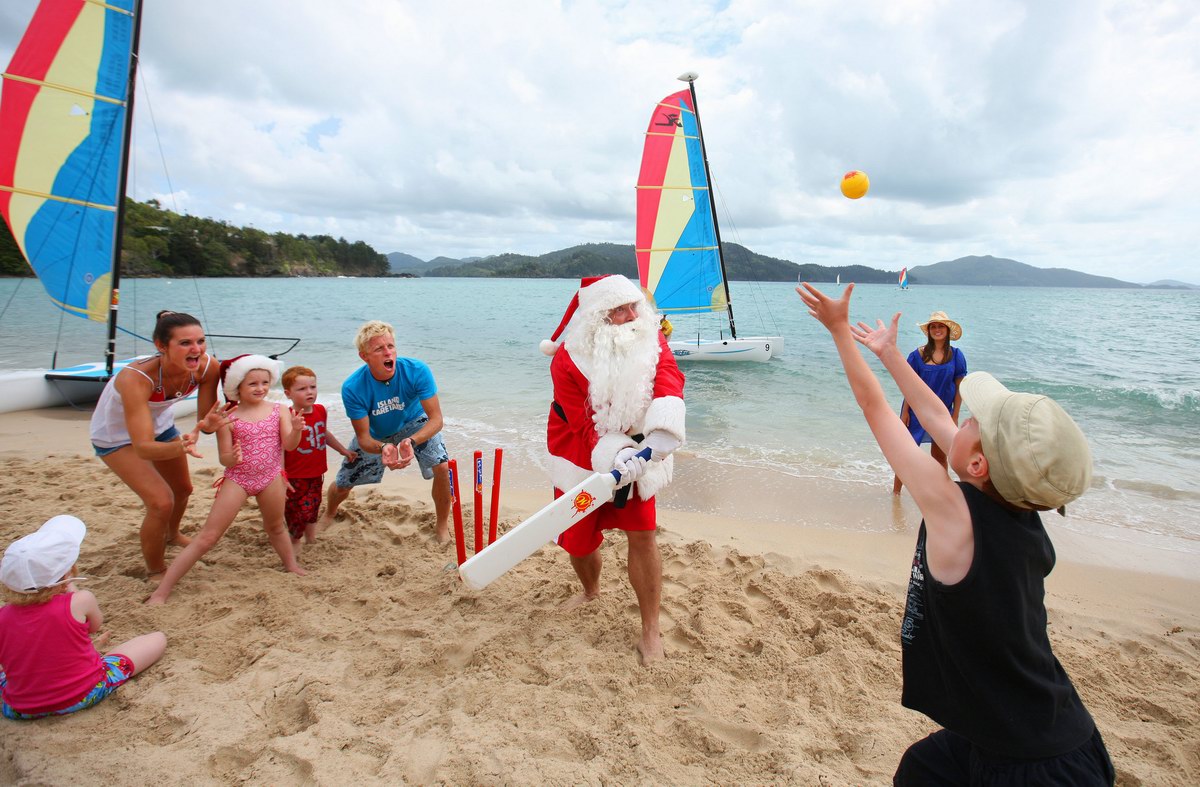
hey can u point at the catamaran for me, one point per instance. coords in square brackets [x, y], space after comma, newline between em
[903, 281]
[65, 124]
[678, 243]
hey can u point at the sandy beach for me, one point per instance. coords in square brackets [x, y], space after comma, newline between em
[381, 667]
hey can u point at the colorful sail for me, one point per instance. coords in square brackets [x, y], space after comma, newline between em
[62, 120]
[904, 278]
[676, 243]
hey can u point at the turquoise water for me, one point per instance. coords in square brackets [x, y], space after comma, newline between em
[1123, 363]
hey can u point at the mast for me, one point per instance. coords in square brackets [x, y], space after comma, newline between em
[690, 77]
[110, 348]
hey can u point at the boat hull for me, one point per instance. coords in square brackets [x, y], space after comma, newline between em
[752, 348]
[75, 386]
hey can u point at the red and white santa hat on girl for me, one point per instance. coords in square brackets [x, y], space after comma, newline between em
[595, 294]
[234, 370]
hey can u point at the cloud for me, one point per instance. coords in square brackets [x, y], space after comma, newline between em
[1059, 134]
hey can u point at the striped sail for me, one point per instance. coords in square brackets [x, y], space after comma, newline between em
[676, 242]
[62, 120]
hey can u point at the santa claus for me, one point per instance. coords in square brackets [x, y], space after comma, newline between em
[617, 391]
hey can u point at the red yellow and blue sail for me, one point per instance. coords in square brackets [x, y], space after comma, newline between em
[676, 243]
[62, 118]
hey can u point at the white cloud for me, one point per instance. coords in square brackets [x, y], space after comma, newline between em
[1060, 134]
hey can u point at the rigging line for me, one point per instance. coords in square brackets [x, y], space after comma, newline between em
[757, 288]
[149, 104]
[8, 303]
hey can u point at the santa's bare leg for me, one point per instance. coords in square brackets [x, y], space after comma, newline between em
[645, 575]
[588, 570]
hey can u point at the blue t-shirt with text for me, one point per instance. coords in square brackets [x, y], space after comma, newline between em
[388, 405]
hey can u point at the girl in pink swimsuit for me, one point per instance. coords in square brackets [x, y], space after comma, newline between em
[251, 449]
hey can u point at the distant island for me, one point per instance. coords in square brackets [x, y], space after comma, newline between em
[160, 242]
[745, 265]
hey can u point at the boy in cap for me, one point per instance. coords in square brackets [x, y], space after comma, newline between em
[49, 665]
[976, 656]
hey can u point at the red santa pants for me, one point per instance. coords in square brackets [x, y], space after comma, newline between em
[585, 536]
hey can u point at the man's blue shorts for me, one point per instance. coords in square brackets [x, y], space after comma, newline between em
[368, 468]
[167, 436]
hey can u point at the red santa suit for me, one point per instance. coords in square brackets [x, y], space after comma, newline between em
[581, 443]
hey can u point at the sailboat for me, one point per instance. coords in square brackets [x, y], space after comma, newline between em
[65, 126]
[903, 281]
[678, 242]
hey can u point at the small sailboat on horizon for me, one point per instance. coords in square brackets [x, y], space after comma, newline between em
[678, 243]
[903, 280]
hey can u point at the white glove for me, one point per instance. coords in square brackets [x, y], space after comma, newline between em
[661, 444]
[633, 469]
[624, 455]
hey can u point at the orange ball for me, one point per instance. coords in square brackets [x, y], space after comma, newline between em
[855, 184]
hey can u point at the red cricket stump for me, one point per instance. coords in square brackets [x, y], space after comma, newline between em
[478, 501]
[460, 545]
[495, 495]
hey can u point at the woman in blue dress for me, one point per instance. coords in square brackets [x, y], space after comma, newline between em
[942, 367]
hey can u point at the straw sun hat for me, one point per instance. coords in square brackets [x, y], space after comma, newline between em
[944, 319]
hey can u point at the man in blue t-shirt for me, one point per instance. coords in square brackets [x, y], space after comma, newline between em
[393, 405]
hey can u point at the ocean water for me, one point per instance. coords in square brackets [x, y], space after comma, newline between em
[1123, 363]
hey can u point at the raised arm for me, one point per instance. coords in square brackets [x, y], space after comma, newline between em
[919, 397]
[950, 538]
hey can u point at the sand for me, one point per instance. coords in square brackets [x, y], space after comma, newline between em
[380, 666]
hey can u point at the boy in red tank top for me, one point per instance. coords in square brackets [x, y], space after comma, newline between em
[305, 467]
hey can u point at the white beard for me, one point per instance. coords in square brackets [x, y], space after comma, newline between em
[620, 362]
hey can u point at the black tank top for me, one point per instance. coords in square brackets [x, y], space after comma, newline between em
[976, 655]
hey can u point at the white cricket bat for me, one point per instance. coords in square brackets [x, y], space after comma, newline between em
[528, 537]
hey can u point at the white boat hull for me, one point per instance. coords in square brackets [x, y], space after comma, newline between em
[28, 389]
[751, 348]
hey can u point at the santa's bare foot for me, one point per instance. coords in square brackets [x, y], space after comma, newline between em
[179, 540]
[650, 649]
[574, 602]
[297, 569]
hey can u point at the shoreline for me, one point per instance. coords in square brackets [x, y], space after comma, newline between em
[380, 666]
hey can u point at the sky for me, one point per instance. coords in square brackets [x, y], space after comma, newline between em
[1060, 134]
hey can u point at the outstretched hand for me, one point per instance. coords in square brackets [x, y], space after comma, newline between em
[878, 339]
[189, 440]
[218, 417]
[830, 312]
[297, 419]
[398, 457]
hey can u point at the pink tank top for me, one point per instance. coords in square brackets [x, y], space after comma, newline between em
[49, 660]
[262, 453]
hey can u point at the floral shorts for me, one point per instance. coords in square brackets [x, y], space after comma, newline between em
[117, 670]
[302, 505]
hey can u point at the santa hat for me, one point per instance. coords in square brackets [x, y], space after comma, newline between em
[595, 294]
[235, 370]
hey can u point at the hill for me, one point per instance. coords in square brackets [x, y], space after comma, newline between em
[997, 271]
[159, 242]
[743, 264]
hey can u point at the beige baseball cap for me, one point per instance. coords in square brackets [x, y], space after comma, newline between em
[1037, 456]
[43, 558]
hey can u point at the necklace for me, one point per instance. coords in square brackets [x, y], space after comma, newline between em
[159, 389]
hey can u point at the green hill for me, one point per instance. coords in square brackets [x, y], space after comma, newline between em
[158, 242]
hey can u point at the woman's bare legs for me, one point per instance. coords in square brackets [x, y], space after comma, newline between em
[164, 488]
